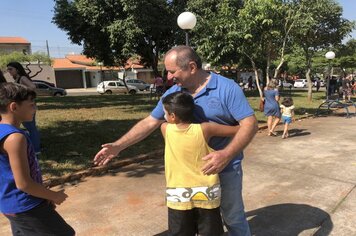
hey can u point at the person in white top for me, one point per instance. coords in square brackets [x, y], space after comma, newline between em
[287, 110]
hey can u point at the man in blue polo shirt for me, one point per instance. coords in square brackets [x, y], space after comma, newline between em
[219, 100]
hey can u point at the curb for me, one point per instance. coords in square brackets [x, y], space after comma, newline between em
[99, 170]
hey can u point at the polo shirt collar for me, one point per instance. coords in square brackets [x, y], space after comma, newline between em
[212, 84]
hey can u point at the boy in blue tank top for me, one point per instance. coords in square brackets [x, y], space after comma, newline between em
[29, 206]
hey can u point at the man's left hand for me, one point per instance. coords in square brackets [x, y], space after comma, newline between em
[215, 162]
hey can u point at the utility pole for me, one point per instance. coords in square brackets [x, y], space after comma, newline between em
[47, 48]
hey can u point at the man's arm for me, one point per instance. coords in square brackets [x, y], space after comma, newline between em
[137, 133]
[218, 160]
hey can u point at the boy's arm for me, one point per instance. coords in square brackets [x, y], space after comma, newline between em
[163, 129]
[15, 145]
[213, 129]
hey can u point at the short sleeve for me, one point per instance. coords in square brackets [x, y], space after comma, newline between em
[237, 103]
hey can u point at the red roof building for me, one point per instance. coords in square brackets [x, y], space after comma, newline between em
[14, 44]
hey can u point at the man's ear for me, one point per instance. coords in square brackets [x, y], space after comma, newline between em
[12, 106]
[193, 67]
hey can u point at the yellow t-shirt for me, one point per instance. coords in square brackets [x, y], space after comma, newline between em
[287, 111]
[187, 186]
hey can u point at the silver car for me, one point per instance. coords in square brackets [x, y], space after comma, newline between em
[43, 89]
[141, 85]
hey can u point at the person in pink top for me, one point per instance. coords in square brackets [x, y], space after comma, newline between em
[159, 85]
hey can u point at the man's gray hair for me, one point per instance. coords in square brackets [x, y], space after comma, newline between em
[185, 54]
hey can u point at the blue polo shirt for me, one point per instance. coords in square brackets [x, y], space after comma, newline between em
[221, 101]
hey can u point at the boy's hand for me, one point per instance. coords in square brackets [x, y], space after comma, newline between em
[60, 197]
[108, 152]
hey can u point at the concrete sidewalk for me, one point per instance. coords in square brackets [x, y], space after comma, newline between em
[303, 185]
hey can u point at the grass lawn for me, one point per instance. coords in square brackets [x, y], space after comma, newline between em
[73, 128]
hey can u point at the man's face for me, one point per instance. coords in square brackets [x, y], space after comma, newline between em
[182, 77]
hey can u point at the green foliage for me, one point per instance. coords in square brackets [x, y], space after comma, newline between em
[20, 57]
[113, 31]
[216, 34]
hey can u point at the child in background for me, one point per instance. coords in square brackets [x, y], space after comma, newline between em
[193, 199]
[287, 109]
[27, 204]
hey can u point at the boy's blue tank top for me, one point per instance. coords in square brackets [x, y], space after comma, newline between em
[13, 200]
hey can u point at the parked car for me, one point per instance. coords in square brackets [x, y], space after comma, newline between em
[43, 89]
[287, 84]
[141, 85]
[300, 83]
[114, 86]
[48, 83]
[321, 81]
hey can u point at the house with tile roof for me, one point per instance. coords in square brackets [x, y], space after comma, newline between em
[14, 44]
[80, 71]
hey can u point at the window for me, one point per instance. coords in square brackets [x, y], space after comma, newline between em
[111, 84]
[41, 86]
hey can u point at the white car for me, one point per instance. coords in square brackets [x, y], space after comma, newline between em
[113, 86]
[300, 83]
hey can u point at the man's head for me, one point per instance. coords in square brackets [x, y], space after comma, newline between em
[179, 107]
[17, 99]
[181, 63]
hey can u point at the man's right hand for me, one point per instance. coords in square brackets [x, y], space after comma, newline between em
[108, 152]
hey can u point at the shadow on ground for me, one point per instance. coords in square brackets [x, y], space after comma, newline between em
[286, 220]
[289, 219]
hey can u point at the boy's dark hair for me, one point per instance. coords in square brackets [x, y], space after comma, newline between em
[287, 101]
[11, 92]
[181, 104]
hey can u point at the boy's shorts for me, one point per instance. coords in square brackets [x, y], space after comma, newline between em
[286, 119]
[205, 222]
[41, 220]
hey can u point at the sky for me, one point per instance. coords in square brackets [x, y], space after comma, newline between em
[32, 20]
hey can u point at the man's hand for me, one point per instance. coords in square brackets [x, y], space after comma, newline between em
[108, 152]
[215, 162]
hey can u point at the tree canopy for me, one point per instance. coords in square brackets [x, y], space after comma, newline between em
[228, 32]
[113, 31]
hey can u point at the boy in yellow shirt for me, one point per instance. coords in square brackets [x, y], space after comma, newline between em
[193, 199]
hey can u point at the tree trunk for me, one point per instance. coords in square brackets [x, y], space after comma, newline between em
[268, 62]
[307, 75]
[257, 79]
[276, 71]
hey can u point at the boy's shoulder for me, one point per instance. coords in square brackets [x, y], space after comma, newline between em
[6, 129]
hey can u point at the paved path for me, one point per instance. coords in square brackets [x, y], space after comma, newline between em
[303, 185]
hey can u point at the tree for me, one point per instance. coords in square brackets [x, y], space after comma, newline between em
[320, 26]
[346, 55]
[216, 36]
[113, 31]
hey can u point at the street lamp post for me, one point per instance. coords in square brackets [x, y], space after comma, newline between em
[186, 21]
[101, 74]
[330, 56]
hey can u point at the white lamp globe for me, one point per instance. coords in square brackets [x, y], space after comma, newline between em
[330, 55]
[186, 20]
